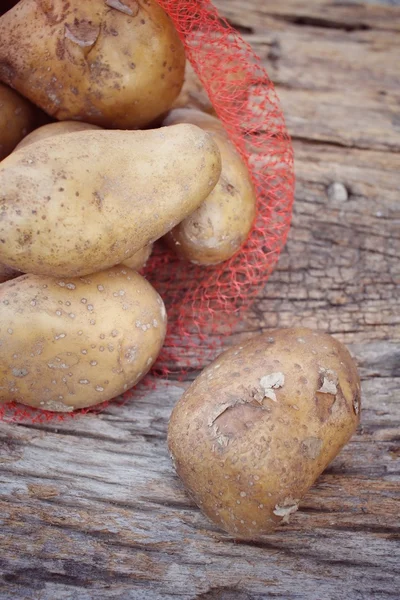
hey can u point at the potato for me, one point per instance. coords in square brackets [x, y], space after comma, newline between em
[56, 128]
[78, 203]
[17, 118]
[72, 343]
[258, 426]
[7, 273]
[138, 260]
[221, 225]
[114, 63]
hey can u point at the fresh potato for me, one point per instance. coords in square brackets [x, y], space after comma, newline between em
[17, 118]
[78, 203]
[114, 63]
[72, 343]
[258, 426]
[221, 225]
[56, 128]
[138, 260]
[7, 273]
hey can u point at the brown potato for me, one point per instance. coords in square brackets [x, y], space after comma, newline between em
[221, 225]
[17, 118]
[114, 63]
[7, 273]
[72, 343]
[138, 260]
[78, 203]
[260, 424]
[51, 129]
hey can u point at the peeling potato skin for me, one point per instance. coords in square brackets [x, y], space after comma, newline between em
[222, 223]
[17, 118]
[138, 260]
[246, 459]
[113, 64]
[72, 343]
[78, 203]
[51, 129]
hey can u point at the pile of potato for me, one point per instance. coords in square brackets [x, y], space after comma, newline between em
[108, 142]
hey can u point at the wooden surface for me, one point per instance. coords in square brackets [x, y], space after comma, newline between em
[91, 509]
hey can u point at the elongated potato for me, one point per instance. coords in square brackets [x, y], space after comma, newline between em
[17, 118]
[71, 343]
[138, 260]
[80, 202]
[114, 63]
[258, 426]
[56, 128]
[222, 223]
[7, 273]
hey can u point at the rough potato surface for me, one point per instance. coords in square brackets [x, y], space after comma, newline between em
[76, 342]
[258, 426]
[117, 64]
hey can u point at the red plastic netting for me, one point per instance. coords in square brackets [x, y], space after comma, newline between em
[205, 304]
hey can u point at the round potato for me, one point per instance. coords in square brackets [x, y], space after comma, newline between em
[56, 128]
[258, 426]
[7, 273]
[78, 203]
[17, 118]
[72, 343]
[222, 223]
[114, 63]
[139, 259]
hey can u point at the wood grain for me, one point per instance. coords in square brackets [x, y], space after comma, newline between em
[91, 509]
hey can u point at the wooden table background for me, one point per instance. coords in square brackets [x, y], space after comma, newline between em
[91, 509]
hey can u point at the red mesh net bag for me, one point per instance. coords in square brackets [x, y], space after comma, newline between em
[204, 304]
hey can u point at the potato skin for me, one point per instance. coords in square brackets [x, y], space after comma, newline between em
[17, 118]
[222, 223]
[92, 61]
[72, 343]
[78, 203]
[138, 260]
[57, 128]
[248, 451]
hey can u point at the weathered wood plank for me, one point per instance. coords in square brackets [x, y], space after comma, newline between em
[91, 508]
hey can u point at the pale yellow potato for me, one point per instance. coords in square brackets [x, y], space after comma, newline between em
[77, 203]
[7, 273]
[76, 342]
[56, 128]
[17, 118]
[114, 63]
[222, 223]
[138, 260]
[260, 424]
